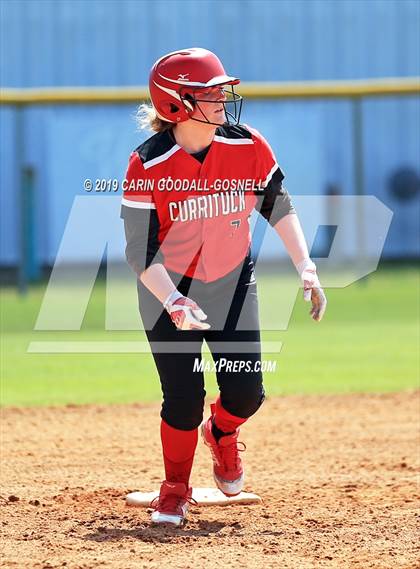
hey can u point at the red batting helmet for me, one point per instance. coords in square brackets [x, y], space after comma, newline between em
[177, 78]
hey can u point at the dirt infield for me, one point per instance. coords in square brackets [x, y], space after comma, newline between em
[337, 475]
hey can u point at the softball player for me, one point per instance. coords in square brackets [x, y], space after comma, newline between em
[189, 192]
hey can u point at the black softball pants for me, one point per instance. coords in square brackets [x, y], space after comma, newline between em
[231, 305]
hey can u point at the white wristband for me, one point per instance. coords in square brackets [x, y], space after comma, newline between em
[173, 297]
[305, 265]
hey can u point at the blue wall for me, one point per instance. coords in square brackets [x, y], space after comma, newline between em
[87, 43]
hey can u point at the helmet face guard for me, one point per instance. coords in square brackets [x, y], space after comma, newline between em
[231, 101]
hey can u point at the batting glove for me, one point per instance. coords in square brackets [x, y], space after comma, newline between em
[312, 290]
[184, 312]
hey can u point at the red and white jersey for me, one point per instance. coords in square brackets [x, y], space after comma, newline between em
[197, 212]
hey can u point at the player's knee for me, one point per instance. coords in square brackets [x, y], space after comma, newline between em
[246, 401]
[183, 414]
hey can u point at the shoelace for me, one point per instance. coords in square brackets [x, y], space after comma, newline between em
[230, 454]
[171, 502]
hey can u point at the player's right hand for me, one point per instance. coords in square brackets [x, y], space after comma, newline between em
[185, 313]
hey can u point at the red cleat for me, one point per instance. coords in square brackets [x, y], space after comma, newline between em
[228, 471]
[171, 506]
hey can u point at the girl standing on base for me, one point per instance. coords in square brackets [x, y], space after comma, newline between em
[189, 192]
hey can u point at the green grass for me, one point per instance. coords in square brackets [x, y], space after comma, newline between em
[369, 341]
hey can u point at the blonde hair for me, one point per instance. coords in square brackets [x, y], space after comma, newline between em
[147, 118]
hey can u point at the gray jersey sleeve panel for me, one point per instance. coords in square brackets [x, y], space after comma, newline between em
[274, 201]
[141, 228]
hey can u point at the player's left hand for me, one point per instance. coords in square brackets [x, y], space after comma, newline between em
[319, 303]
[312, 290]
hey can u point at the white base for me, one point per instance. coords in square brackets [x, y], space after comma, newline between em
[203, 497]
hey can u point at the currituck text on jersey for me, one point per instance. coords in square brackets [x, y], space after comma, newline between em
[207, 206]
